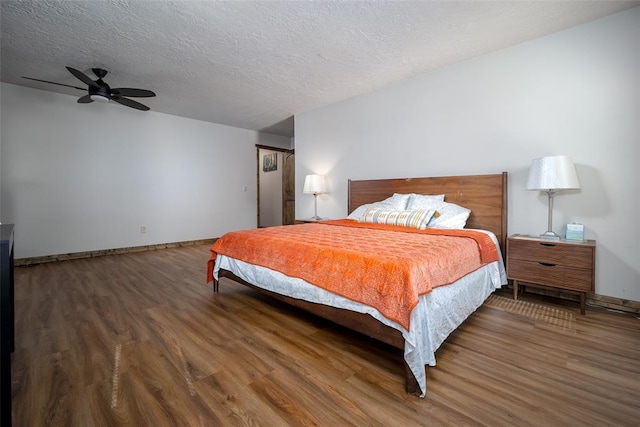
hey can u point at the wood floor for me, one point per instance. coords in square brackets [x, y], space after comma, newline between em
[140, 340]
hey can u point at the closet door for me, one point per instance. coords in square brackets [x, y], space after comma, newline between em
[288, 188]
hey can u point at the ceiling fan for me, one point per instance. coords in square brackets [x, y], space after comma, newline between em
[99, 91]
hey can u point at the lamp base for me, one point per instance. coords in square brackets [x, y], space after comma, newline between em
[549, 235]
[316, 218]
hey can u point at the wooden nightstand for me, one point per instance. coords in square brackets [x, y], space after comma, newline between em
[561, 264]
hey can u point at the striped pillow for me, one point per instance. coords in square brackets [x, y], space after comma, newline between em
[412, 219]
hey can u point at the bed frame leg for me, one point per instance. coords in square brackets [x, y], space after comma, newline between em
[215, 286]
[412, 385]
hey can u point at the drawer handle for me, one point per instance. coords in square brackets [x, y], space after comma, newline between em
[547, 264]
[548, 244]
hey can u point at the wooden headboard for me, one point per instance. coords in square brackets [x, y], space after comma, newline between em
[485, 195]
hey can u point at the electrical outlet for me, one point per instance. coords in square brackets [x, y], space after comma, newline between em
[143, 228]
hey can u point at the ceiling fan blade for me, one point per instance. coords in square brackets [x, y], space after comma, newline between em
[54, 83]
[83, 77]
[136, 93]
[85, 99]
[130, 103]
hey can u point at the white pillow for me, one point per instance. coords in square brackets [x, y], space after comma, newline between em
[423, 201]
[449, 215]
[399, 201]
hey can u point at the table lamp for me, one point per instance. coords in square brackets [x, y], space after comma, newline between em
[315, 184]
[549, 174]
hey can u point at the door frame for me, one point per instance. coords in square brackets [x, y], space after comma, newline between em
[285, 151]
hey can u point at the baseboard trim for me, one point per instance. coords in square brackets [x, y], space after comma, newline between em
[593, 300]
[103, 252]
[620, 304]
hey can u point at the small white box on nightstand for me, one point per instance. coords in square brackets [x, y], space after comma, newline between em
[575, 231]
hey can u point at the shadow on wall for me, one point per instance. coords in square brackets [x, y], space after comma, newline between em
[284, 127]
[592, 187]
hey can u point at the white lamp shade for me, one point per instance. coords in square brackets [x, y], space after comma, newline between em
[552, 173]
[314, 184]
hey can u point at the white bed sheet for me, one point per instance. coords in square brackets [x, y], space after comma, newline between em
[437, 314]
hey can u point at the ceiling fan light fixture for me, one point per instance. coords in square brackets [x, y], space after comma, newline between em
[99, 91]
[99, 98]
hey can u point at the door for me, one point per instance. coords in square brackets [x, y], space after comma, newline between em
[289, 188]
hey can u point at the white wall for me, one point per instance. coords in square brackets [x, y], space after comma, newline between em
[86, 177]
[270, 191]
[575, 93]
[0, 156]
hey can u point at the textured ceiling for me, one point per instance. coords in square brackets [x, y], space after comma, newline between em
[255, 64]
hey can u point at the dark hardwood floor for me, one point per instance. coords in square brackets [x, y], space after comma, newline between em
[140, 340]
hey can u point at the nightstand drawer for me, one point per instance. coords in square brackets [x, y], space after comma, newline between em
[551, 253]
[562, 276]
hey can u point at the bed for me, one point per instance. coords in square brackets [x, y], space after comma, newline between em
[433, 317]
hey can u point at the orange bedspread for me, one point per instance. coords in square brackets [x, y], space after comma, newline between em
[386, 267]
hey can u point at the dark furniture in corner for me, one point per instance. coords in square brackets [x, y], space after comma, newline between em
[7, 331]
